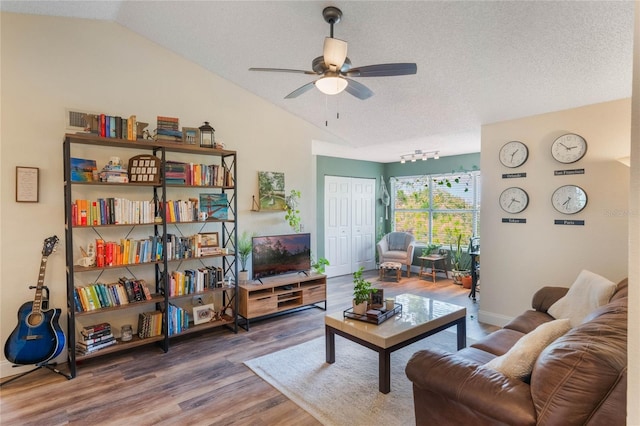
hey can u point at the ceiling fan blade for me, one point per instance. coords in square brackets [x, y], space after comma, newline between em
[300, 90]
[283, 70]
[334, 53]
[358, 90]
[383, 70]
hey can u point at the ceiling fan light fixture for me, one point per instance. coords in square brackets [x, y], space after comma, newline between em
[402, 160]
[436, 155]
[331, 85]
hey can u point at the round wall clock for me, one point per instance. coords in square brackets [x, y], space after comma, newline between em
[513, 154]
[514, 200]
[569, 148]
[569, 199]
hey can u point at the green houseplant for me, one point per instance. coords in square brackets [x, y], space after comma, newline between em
[460, 261]
[244, 249]
[319, 265]
[361, 292]
[292, 213]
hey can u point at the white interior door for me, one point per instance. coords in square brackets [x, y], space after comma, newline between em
[363, 227]
[349, 211]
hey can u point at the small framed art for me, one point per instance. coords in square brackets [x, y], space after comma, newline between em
[27, 180]
[203, 313]
[190, 135]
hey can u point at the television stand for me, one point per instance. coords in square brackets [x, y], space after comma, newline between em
[280, 295]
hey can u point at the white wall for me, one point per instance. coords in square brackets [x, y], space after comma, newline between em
[518, 259]
[49, 64]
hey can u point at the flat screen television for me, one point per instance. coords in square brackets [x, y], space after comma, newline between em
[280, 254]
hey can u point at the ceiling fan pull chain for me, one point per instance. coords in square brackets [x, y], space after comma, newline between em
[326, 111]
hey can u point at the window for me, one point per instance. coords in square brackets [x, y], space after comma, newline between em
[436, 208]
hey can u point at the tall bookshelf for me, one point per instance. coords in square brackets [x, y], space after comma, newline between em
[160, 231]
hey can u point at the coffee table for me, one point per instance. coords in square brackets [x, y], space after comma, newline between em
[420, 317]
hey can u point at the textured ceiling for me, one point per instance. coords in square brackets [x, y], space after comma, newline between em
[478, 62]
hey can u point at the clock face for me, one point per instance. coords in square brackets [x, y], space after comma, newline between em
[514, 200]
[569, 148]
[514, 154]
[569, 199]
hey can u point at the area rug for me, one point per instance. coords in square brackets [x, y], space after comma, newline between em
[346, 392]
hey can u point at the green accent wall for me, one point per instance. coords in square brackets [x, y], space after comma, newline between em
[331, 166]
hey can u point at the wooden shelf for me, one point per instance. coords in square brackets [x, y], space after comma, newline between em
[120, 346]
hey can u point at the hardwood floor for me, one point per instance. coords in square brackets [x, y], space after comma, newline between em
[202, 379]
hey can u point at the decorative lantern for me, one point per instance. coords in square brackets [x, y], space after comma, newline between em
[206, 135]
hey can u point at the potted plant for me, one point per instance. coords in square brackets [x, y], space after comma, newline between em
[361, 292]
[460, 261]
[244, 249]
[430, 249]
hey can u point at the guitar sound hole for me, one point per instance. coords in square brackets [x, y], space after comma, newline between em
[34, 319]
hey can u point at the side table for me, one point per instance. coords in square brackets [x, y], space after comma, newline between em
[433, 258]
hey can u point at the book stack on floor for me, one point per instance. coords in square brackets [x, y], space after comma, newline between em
[168, 130]
[94, 337]
[149, 324]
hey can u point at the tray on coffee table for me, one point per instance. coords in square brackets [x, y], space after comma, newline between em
[379, 319]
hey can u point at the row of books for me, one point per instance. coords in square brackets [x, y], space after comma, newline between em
[94, 337]
[149, 324]
[179, 173]
[178, 319]
[195, 280]
[191, 246]
[109, 126]
[128, 251]
[215, 205]
[111, 211]
[99, 295]
[168, 129]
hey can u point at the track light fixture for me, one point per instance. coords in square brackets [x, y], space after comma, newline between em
[418, 153]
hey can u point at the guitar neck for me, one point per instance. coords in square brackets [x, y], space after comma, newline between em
[37, 302]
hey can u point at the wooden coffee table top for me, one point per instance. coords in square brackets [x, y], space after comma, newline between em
[419, 315]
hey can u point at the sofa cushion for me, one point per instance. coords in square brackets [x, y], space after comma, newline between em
[622, 290]
[518, 361]
[528, 321]
[498, 342]
[588, 292]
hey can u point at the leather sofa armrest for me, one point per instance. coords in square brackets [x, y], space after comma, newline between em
[547, 296]
[466, 384]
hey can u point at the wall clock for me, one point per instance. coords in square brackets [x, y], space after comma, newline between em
[569, 199]
[514, 200]
[569, 148]
[513, 154]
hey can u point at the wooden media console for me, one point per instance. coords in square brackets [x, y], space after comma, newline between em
[281, 294]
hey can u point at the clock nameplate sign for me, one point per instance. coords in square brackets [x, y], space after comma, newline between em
[568, 172]
[514, 175]
[513, 220]
[568, 222]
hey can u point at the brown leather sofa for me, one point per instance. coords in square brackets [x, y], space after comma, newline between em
[580, 379]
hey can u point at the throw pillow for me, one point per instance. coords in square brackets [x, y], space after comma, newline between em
[396, 241]
[518, 362]
[587, 293]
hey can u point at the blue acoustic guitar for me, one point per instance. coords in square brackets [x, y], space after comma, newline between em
[37, 338]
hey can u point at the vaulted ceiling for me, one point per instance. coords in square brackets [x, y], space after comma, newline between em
[478, 62]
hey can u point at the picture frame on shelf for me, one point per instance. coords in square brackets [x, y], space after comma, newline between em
[209, 239]
[203, 313]
[27, 182]
[377, 299]
[82, 170]
[190, 135]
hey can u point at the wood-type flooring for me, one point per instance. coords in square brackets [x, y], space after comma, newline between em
[202, 379]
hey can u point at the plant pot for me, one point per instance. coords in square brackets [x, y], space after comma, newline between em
[466, 281]
[457, 276]
[243, 277]
[360, 309]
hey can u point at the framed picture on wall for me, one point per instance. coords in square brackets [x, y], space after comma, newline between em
[27, 182]
[271, 191]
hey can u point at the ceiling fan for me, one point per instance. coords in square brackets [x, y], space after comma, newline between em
[335, 68]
